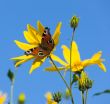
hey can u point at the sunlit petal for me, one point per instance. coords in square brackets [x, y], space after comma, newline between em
[52, 68]
[102, 66]
[66, 53]
[75, 53]
[3, 98]
[34, 33]
[36, 64]
[56, 58]
[24, 46]
[31, 28]
[89, 62]
[49, 98]
[40, 28]
[97, 55]
[30, 38]
[23, 61]
[23, 57]
[86, 62]
[57, 33]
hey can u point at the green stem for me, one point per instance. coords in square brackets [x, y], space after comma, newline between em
[86, 96]
[71, 57]
[12, 89]
[59, 72]
[62, 79]
[11, 92]
[83, 99]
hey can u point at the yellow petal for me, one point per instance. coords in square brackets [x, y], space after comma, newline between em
[52, 68]
[97, 55]
[31, 28]
[102, 66]
[94, 60]
[66, 53]
[24, 60]
[40, 28]
[24, 46]
[56, 58]
[30, 38]
[48, 96]
[2, 98]
[75, 53]
[34, 33]
[36, 64]
[23, 57]
[57, 34]
[89, 62]
[54, 102]
[86, 63]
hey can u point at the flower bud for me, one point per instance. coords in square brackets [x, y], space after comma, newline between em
[84, 82]
[74, 22]
[67, 94]
[21, 98]
[57, 97]
[89, 84]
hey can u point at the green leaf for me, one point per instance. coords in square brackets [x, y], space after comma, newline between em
[75, 79]
[96, 94]
[10, 75]
[107, 91]
[103, 92]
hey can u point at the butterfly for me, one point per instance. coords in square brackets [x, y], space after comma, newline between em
[44, 48]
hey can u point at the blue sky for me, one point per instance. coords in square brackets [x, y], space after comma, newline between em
[92, 35]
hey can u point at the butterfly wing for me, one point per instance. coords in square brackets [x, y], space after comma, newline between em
[44, 49]
[47, 43]
[38, 52]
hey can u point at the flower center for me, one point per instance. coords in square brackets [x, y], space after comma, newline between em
[76, 67]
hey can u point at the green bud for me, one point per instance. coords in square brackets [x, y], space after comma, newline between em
[10, 75]
[89, 84]
[67, 94]
[84, 82]
[57, 97]
[74, 22]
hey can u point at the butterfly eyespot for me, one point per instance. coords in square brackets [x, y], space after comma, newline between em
[40, 53]
[27, 52]
[30, 52]
[44, 31]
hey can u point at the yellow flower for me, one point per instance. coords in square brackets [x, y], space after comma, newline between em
[33, 38]
[50, 99]
[77, 64]
[2, 98]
